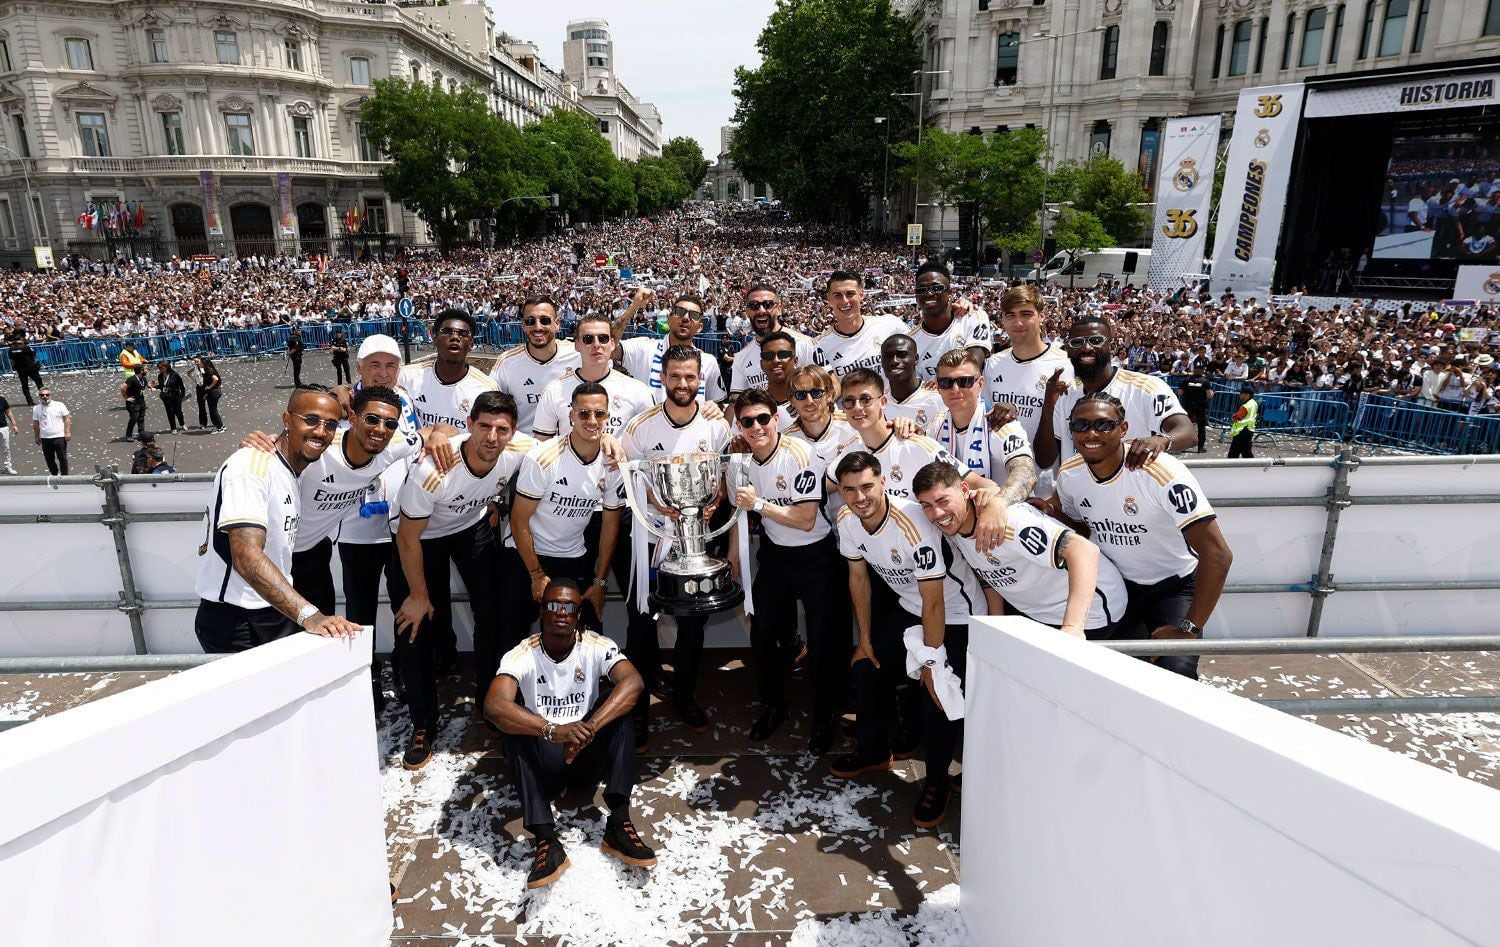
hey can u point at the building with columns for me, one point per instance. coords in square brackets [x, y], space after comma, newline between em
[632, 127]
[1103, 75]
[724, 183]
[235, 124]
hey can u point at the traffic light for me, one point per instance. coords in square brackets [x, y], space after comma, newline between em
[403, 281]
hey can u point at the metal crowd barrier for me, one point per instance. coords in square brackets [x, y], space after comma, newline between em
[1391, 422]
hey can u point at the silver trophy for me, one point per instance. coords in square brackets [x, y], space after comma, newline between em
[689, 580]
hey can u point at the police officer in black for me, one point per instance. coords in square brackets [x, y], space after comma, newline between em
[1196, 390]
[134, 393]
[23, 359]
[294, 347]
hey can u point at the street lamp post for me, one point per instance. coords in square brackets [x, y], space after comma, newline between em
[1051, 116]
[30, 199]
[885, 177]
[921, 97]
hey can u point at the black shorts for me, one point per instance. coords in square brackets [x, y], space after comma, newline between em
[226, 629]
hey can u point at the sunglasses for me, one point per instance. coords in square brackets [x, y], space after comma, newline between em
[562, 608]
[1098, 425]
[686, 313]
[958, 381]
[1079, 341]
[780, 355]
[930, 289]
[390, 424]
[857, 402]
[755, 420]
[600, 339]
[315, 422]
[537, 321]
[455, 332]
[760, 304]
[591, 414]
[815, 394]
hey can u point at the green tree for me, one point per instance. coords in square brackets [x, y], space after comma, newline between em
[806, 114]
[659, 185]
[451, 159]
[688, 156]
[1104, 187]
[1001, 173]
[568, 156]
[1078, 231]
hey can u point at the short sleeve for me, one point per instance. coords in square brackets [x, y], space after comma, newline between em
[713, 379]
[1164, 404]
[1065, 500]
[637, 357]
[610, 655]
[1010, 442]
[927, 552]
[807, 485]
[1036, 536]
[531, 481]
[516, 664]
[980, 333]
[545, 423]
[1179, 496]
[417, 502]
[614, 489]
[244, 495]
[847, 547]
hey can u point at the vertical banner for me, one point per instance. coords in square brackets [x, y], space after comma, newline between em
[1255, 186]
[284, 196]
[210, 186]
[1184, 195]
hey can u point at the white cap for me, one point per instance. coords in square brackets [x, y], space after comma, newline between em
[379, 344]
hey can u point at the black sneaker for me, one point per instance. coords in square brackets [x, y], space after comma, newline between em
[693, 716]
[852, 764]
[417, 755]
[906, 742]
[768, 723]
[623, 842]
[822, 738]
[551, 861]
[932, 806]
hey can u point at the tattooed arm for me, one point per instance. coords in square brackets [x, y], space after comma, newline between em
[247, 549]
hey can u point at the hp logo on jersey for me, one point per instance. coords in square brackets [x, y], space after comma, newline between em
[1184, 499]
[1034, 540]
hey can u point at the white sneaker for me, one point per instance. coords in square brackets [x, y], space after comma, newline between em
[10, 470]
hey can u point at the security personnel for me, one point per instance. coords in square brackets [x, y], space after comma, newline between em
[1242, 427]
[1196, 392]
[796, 561]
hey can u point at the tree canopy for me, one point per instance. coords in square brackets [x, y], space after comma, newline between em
[1109, 191]
[1001, 173]
[828, 67]
[687, 154]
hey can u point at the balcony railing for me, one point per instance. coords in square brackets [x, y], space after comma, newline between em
[192, 164]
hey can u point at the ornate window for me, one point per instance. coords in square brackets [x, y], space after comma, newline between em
[227, 47]
[80, 53]
[93, 134]
[1008, 59]
[1109, 56]
[302, 140]
[1160, 35]
[171, 129]
[238, 134]
[157, 48]
[359, 70]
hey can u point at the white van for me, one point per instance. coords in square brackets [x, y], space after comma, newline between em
[1084, 269]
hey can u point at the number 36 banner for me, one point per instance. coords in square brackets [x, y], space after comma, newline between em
[1183, 192]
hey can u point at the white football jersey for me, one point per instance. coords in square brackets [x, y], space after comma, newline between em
[452, 502]
[899, 461]
[519, 374]
[792, 474]
[642, 359]
[904, 550]
[1148, 402]
[331, 485]
[1029, 573]
[840, 353]
[653, 434]
[437, 402]
[923, 406]
[561, 691]
[1137, 516]
[826, 445]
[747, 373]
[360, 529]
[567, 490]
[627, 398]
[251, 489]
[1022, 383]
[970, 329]
[978, 448]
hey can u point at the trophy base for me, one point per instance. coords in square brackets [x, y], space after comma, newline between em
[692, 596]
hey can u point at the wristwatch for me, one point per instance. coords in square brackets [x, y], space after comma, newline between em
[1190, 628]
[307, 612]
[602, 583]
[760, 504]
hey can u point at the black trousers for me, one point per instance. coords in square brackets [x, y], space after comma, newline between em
[226, 629]
[1199, 417]
[27, 376]
[55, 452]
[472, 553]
[136, 418]
[875, 692]
[312, 575]
[172, 405]
[296, 360]
[539, 771]
[341, 369]
[1239, 446]
[363, 565]
[208, 406]
[816, 575]
[1161, 603]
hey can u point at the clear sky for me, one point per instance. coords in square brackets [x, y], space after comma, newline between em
[679, 54]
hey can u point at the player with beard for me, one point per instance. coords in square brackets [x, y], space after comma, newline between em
[943, 327]
[763, 309]
[909, 398]
[855, 339]
[1150, 404]
[245, 592]
[778, 355]
[644, 358]
[443, 392]
[525, 371]
[676, 426]
[628, 397]
[819, 422]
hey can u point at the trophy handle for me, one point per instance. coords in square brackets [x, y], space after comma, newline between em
[734, 470]
[642, 517]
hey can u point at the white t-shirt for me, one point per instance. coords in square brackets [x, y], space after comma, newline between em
[970, 329]
[923, 406]
[561, 691]
[747, 372]
[627, 398]
[905, 549]
[331, 485]
[1023, 382]
[454, 501]
[567, 490]
[1137, 516]
[840, 353]
[51, 417]
[252, 489]
[1029, 573]
[1149, 402]
[654, 434]
[899, 461]
[826, 445]
[642, 359]
[361, 530]
[437, 402]
[792, 474]
[519, 374]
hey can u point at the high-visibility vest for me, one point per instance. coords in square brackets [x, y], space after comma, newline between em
[1252, 410]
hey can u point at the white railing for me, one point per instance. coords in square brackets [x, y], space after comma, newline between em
[191, 164]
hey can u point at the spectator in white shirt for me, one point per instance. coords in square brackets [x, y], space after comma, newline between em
[52, 425]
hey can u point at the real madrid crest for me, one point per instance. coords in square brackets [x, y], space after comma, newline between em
[703, 444]
[577, 675]
[895, 471]
[781, 481]
[921, 418]
[1130, 508]
[895, 556]
[1263, 138]
[1186, 177]
[1492, 284]
[601, 484]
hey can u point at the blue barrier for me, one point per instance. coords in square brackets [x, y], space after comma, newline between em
[1391, 422]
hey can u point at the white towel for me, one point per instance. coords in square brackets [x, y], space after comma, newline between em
[949, 689]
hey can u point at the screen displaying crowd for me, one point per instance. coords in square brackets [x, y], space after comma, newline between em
[1442, 199]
